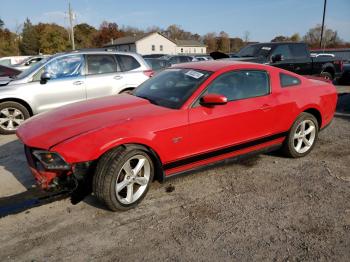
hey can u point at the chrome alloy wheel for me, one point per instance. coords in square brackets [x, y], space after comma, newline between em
[133, 179]
[304, 136]
[11, 118]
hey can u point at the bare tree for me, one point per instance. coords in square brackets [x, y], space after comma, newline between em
[224, 42]
[330, 37]
[246, 36]
[210, 40]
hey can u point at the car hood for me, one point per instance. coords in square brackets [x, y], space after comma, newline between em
[5, 80]
[248, 59]
[49, 129]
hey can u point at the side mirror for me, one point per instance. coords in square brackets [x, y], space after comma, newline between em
[213, 100]
[45, 77]
[276, 58]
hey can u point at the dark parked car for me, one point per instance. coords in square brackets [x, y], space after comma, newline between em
[344, 79]
[157, 64]
[153, 56]
[8, 71]
[291, 56]
[178, 59]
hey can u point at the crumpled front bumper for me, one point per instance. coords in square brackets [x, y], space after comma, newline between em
[44, 178]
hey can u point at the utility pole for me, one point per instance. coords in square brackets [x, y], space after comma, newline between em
[71, 18]
[324, 14]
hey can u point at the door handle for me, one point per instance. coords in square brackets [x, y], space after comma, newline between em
[265, 107]
[77, 83]
[118, 77]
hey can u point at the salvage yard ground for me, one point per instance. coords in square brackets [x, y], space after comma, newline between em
[263, 208]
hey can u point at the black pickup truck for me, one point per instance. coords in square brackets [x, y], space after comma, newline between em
[291, 56]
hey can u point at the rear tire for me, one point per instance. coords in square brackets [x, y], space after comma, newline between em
[327, 76]
[12, 114]
[302, 136]
[123, 177]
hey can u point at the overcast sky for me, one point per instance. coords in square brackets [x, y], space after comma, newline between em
[264, 19]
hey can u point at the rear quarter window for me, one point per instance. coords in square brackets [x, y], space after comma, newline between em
[288, 80]
[127, 62]
[299, 50]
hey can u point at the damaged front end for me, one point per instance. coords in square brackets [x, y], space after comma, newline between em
[53, 173]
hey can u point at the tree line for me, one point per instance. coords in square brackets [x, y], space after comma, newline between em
[50, 38]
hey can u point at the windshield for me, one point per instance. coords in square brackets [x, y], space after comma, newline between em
[254, 51]
[172, 87]
[33, 68]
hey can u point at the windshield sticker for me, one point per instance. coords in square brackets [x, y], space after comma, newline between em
[194, 74]
[266, 48]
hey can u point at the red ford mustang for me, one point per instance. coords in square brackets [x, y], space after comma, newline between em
[185, 117]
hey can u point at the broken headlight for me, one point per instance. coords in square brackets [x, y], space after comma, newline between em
[51, 160]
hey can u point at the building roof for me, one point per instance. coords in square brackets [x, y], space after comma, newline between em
[132, 39]
[128, 39]
[188, 43]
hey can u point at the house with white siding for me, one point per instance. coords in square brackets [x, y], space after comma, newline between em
[156, 43]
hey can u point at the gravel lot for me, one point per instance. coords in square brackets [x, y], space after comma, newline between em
[263, 208]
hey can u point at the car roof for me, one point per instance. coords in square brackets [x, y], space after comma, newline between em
[216, 65]
[97, 51]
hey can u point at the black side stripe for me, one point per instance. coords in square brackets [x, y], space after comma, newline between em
[223, 151]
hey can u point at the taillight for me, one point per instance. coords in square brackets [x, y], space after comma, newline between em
[149, 73]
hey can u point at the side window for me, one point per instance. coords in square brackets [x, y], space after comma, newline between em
[101, 64]
[174, 60]
[127, 62]
[64, 67]
[161, 48]
[5, 62]
[153, 48]
[282, 50]
[237, 85]
[299, 50]
[183, 59]
[288, 80]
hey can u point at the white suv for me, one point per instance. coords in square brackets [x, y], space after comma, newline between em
[67, 78]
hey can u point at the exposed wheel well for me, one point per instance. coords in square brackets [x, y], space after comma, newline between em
[158, 170]
[20, 101]
[316, 114]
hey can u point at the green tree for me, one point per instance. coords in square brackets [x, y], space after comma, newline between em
[280, 38]
[295, 37]
[84, 35]
[52, 38]
[30, 39]
[8, 44]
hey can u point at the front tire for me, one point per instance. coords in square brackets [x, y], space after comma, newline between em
[302, 136]
[12, 114]
[123, 177]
